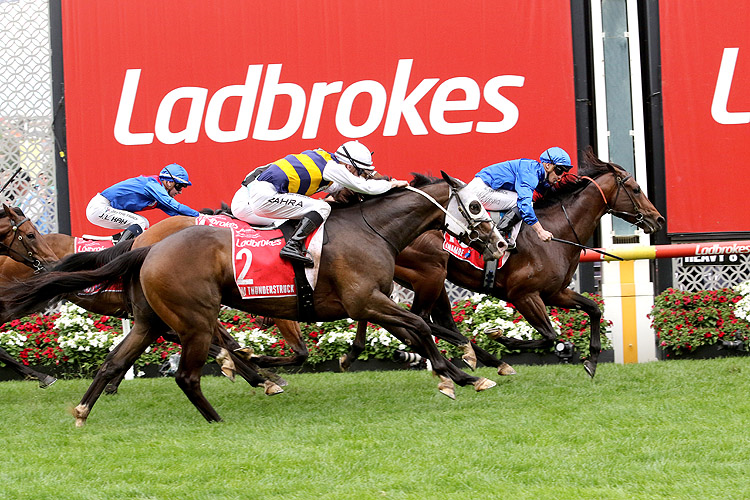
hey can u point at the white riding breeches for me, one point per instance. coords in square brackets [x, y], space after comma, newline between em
[258, 203]
[493, 199]
[100, 213]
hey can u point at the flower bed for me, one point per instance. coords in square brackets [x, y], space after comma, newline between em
[74, 342]
[686, 322]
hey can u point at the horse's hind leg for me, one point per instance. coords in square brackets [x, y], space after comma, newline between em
[44, 379]
[116, 363]
[358, 345]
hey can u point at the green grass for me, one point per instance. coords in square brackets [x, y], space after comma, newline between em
[664, 430]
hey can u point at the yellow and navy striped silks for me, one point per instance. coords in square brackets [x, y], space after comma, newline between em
[301, 173]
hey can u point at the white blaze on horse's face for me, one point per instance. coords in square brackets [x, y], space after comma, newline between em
[470, 222]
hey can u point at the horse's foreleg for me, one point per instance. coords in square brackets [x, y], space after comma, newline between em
[358, 345]
[116, 363]
[569, 299]
[292, 334]
[414, 331]
[534, 311]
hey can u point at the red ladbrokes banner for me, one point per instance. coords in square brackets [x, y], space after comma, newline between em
[705, 55]
[221, 87]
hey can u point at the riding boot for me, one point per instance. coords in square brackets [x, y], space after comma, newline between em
[506, 225]
[131, 232]
[295, 246]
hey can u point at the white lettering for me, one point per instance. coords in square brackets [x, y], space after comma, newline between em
[721, 93]
[441, 104]
[125, 112]
[377, 109]
[400, 103]
[189, 134]
[247, 94]
[271, 89]
[403, 105]
[319, 92]
[501, 103]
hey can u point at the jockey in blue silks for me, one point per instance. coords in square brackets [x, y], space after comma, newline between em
[510, 186]
[114, 207]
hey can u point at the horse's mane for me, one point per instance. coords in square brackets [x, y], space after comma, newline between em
[350, 198]
[589, 166]
[224, 210]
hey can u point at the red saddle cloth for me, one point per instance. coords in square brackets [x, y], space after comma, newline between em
[87, 245]
[258, 270]
[466, 253]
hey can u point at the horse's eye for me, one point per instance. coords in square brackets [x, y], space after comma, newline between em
[637, 190]
[475, 207]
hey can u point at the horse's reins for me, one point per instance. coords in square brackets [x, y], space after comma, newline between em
[620, 183]
[466, 230]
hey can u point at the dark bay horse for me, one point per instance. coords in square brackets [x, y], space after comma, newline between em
[25, 247]
[354, 280]
[114, 303]
[539, 274]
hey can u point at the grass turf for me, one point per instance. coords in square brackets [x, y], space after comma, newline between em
[674, 429]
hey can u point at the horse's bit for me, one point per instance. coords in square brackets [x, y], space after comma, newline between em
[28, 257]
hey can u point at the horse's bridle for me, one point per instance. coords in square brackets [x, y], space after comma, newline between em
[638, 215]
[468, 229]
[29, 257]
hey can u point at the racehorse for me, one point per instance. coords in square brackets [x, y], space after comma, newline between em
[537, 275]
[354, 280]
[22, 243]
[114, 303]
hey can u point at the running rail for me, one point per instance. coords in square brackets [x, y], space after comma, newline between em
[669, 251]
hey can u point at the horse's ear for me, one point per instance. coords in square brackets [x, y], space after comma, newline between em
[452, 181]
[6, 208]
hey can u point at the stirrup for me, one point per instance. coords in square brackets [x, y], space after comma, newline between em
[297, 257]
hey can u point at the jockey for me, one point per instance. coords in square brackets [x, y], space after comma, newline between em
[510, 186]
[283, 188]
[113, 208]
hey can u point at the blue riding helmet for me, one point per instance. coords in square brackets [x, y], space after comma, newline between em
[176, 173]
[556, 156]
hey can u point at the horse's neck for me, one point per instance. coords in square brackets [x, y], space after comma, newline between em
[584, 211]
[403, 217]
[61, 244]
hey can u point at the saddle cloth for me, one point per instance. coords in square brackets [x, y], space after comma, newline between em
[258, 270]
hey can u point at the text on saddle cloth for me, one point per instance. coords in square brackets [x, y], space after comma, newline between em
[466, 253]
[94, 245]
[88, 245]
[260, 272]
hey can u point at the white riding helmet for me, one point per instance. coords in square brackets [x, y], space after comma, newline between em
[356, 154]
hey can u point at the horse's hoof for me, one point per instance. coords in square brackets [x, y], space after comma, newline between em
[110, 390]
[244, 353]
[505, 369]
[270, 375]
[343, 364]
[271, 388]
[46, 381]
[482, 384]
[447, 387]
[226, 363]
[81, 413]
[494, 333]
[469, 357]
[590, 368]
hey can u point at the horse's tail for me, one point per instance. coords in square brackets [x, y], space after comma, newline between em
[85, 261]
[39, 292]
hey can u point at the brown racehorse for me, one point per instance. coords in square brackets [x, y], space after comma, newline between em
[354, 280]
[539, 274]
[24, 246]
[115, 303]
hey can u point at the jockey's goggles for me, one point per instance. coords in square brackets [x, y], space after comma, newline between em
[179, 186]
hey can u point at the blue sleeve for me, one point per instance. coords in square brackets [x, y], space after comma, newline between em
[526, 182]
[169, 205]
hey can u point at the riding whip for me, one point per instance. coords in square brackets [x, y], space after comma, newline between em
[11, 179]
[584, 247]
